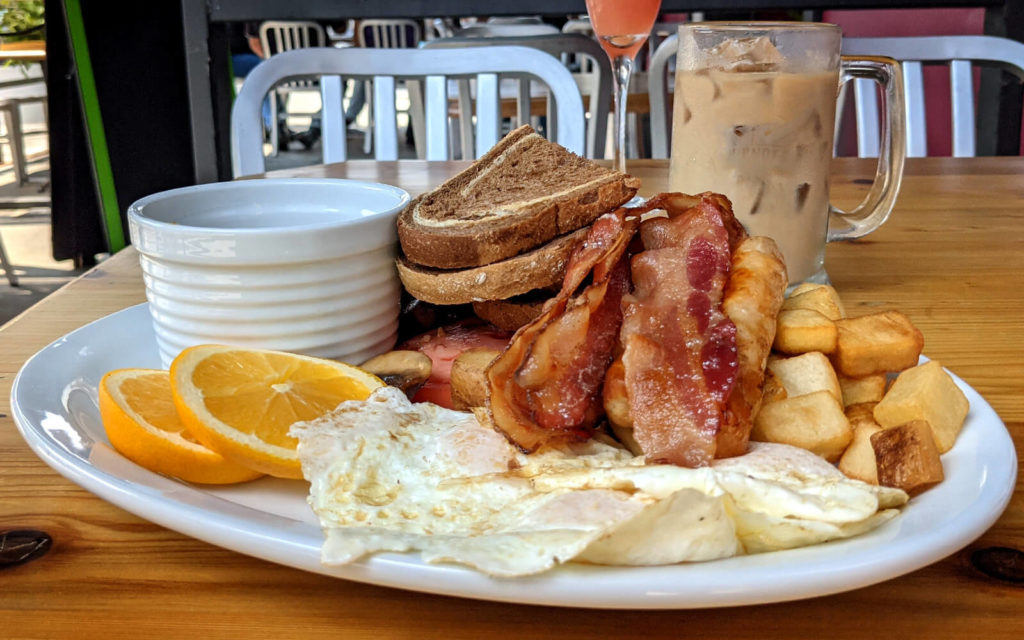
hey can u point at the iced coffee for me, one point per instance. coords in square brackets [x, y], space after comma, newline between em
[750, 126]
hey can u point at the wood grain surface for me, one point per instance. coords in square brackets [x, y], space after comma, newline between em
[951, 257]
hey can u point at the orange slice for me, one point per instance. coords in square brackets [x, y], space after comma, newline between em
[141, 421]
[241, 402]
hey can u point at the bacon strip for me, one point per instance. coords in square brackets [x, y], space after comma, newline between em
[679, 349]
[545, 385]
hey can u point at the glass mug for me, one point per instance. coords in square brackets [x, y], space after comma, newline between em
[754, 119]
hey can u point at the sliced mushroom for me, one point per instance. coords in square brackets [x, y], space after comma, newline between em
[407, 370]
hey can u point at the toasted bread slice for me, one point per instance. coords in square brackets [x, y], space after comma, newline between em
[540, 268]
[519, 195]
[511, 314]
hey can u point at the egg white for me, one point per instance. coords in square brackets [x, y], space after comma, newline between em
[389, 475]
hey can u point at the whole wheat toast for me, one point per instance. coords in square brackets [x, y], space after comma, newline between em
[521, 194]
[539, 268]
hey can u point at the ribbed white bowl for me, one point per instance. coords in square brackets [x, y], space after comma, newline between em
[302, 265]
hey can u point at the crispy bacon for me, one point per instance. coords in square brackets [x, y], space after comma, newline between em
[545, 385]
[679, 349]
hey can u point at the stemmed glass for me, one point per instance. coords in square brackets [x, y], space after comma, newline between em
[622, 27]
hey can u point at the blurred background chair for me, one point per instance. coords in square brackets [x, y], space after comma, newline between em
[392, 34]
[389, 34]
[960, 54]
[12, 279]
[593, 78]
[14, 132]
[384, 66]
[506, 30]
[515, 20]
[277, 36]
[660, 76]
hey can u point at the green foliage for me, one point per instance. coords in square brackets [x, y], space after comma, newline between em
[20, 16]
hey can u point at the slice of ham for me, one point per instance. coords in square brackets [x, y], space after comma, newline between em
[545, 385]
[442, 346]
[679, 348]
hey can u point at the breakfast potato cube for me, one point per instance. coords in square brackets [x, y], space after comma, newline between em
[814, 422]
[469, 378]
[907, 457]
[773, 389]
[860, 413]
[858, 461]
[928, 393]
[875, 344]
[816, 297]
[860, 390]
[803, 330]
[805, 374]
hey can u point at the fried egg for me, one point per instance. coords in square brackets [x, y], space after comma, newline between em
[389, 475]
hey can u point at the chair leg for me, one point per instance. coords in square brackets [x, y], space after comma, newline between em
[13, 123]
[272, 96]
[6, 264]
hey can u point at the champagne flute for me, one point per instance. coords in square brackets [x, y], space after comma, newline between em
[622, 27]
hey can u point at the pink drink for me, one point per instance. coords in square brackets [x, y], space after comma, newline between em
[622, 26]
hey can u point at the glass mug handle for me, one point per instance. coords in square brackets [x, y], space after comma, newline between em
[876, 206]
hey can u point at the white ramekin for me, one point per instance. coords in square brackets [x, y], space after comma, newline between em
[302, 265]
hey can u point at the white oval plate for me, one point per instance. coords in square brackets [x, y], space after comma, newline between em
[54, 404]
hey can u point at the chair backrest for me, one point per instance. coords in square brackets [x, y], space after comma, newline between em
[506, 30]
[389, 34]
[658, 80]
[277, 36]
[439, 28]
[959, 53]
[580, 25]
[515, 20]
[432, 66]
[660, 31]
[595, 82]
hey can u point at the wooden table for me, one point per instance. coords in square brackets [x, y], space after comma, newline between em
[951, 257]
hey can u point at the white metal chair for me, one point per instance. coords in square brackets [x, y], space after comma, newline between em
[579, 25]
[594, 80]
[12, 278]
[515, 20]
[392, 34]
[506, 30]
[14, 132]
[959, 53]
[431, 66]
[277, 36]
[658, 79]
[389, 34]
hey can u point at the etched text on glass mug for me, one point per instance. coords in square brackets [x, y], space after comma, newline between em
[754, 119]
